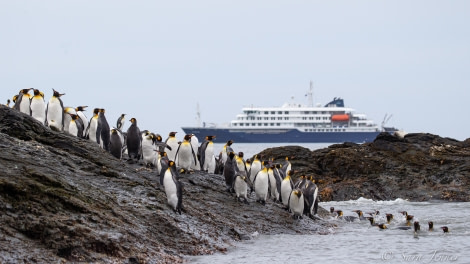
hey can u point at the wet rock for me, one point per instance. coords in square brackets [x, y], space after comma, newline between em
[64, 199]
[417, 167]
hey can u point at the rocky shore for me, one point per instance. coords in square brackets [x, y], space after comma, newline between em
[64, 199]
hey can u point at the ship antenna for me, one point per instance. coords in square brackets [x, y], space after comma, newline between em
[386, 119]
[198, 116]
[310, 95]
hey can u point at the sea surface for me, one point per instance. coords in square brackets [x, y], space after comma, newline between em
[359, 242]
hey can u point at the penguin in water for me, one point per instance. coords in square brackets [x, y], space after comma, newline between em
[55, 111]
[287, 185]
[445, 229]
[206, 153]
[134, 141]
[93, 126]
[148, 149]
[102, 131]
[417, 228]
[80, 110]
[185, 155]
[115, 144]
[195, 145]
[173, 143]
[75, 126]
[173, 188]
[23, 101]
[430, 226]
[389, 218]
[229, 171]
[296, 203]
[261, 185]
[120, 122]
[240, 186]
[38, 106]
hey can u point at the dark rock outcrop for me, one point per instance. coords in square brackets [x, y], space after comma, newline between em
[418, 167]
[64, 199]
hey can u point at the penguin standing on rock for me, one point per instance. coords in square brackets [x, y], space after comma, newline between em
[206, 153]
[68, 112]
[195, 144]
[75, 126]
[261, 185]
[93, 126]
[240, 186]
[55, 112]
[80, 110]
[120, 122]
[310, 191]
[38, 106]
[133, 141]
[229, 171]
[173, 143]
[115, 144]
[296, 203]
[148, 148]
[173, 188]
[185, 155]
[23, 101]
[102, 131]
[287, 185]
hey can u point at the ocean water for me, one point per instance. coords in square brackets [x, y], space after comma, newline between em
[359, 242]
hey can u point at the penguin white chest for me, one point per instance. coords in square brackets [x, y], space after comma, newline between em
[286, 189]
[38, 109]
[170, 189]
[261, 185]
[185, 156]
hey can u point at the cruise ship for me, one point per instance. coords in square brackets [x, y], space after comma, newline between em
[296, 123]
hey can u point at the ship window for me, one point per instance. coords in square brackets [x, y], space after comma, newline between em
[266, 118]
[253, 124]
[273, 112]
[279, 112]
[279, 118]
[271, 124]
[259, 124]
[273, 118]
[278, 124]
[241, 124]
[286, 118]
[314, 112]
[265, 124]
[266, 112]
[286, 112]
[258, 118]
[306, 130]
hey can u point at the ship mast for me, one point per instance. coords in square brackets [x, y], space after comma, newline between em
[198, 116]
[310, 95]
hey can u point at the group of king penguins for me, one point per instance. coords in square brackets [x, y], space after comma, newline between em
[265, 178]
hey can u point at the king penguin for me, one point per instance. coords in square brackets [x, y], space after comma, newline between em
[75, 126]
[80, 110]
[195, 144]
[206, 153]
[148, 149]
[225, 150]
[173, 188]
[120, 122]
[274, 182]
[68, 112]
[55, 112]
[261, 184]
[115, 144]
[173, 143]
[287, 185]
[185, 155]
[93, 125]
[134, 140]
[102, 131]
[38, 106]
[240, 186]
[255, 167]
[296, 203]
[23, 101]
[310, 191]
[229, 171]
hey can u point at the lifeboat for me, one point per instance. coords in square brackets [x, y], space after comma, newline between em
[340, 118]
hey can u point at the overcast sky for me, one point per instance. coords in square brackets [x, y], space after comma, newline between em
[156, 60]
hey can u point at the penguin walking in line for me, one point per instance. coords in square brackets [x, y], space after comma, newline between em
[206, 153]
[38, 106]
[133, 141]
[115, 144]
[23, 101]
[173, 188]
[296, 203]
[240, 186]
[173, 143]
[103, 132]
[55, 112]
[185, 155]
[229, 171]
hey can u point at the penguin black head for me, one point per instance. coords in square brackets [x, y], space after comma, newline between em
[404, 212]
[171, 163]
[102, 110]
[172, 134]
[15, 98]
[36, 92]
[240, 154]
[25, 91]
[339, 212]
[210, 138]
[417, 226]
[445, 229]
[371, 220]
[298, 193]
[159, 138]
[389, 217]
[96, 111]
[113, 131]
[81, 108]
[358, 212]
[431, 225]
[332, 209]
[231, 154]
[248, 161]
[74, 116]
[187, 137]
[8, 102]
[133, 121]
[230, 142]
[382, 226]
[56, 93]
